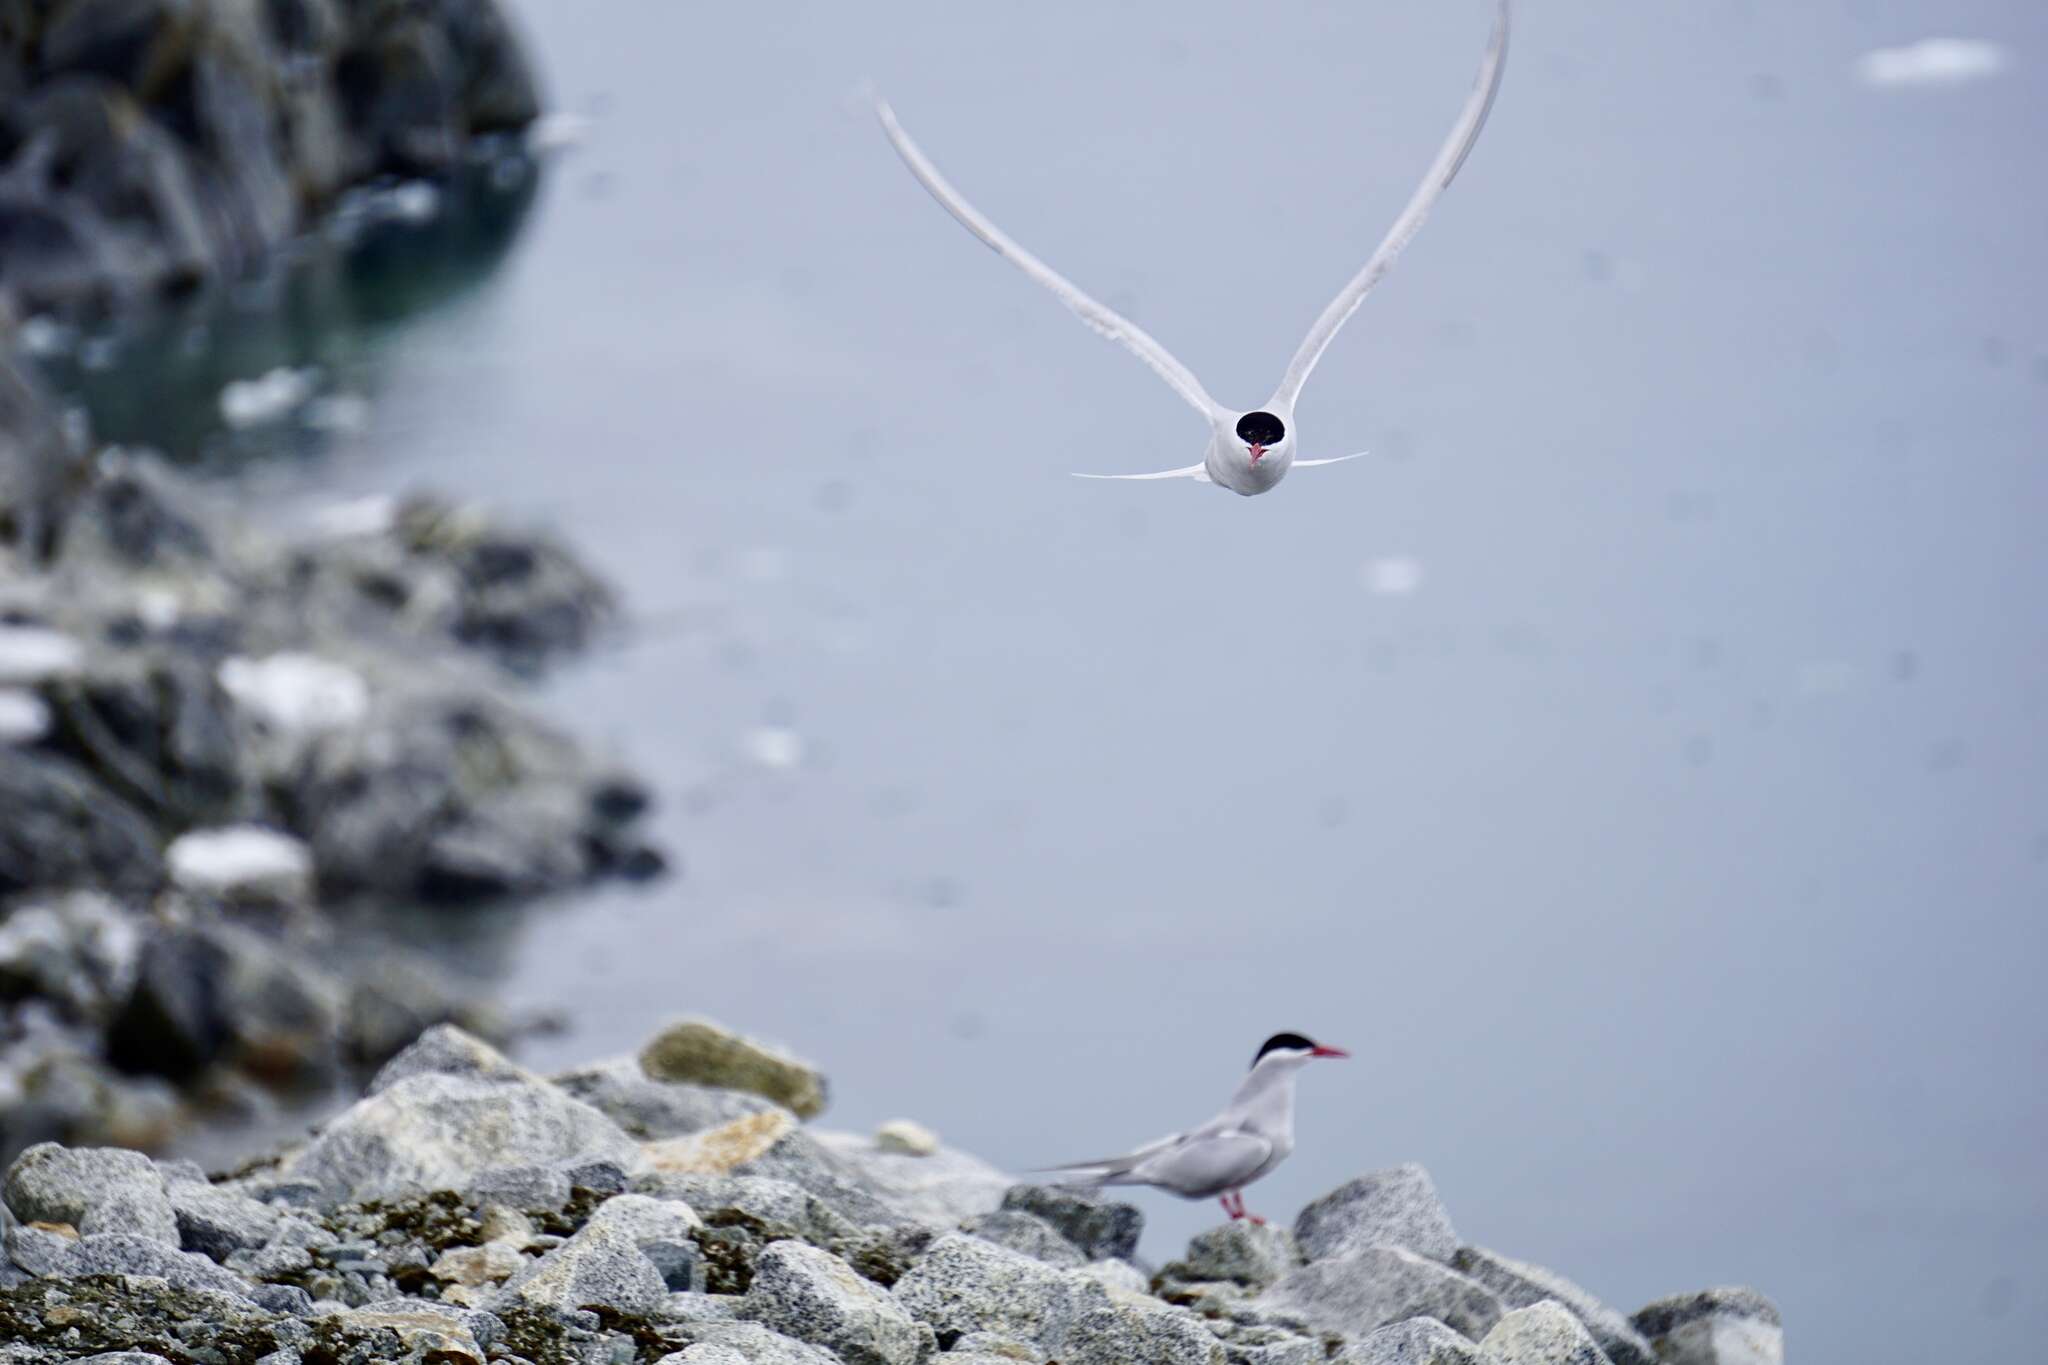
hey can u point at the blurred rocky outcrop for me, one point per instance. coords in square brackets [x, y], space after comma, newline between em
[149, 146]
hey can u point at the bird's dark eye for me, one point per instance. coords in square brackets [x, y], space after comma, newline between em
[1261, 429]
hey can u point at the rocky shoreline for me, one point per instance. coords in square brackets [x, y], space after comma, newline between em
[222, 745]
[662, 1208]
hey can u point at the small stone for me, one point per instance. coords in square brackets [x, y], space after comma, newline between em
[217, 1222]
[717, 1151]
[907, 1138]
[488, 1264]
[496, 1223]
[1101, 1229]
[1418, 1341]
[700, 1051]
[1355, 1293]
[1545, 1333]
[1240, 1251]
[1521, 1285]
[1395, 1207]
[1727, 1326]
[814, 1296]
[531, 1189]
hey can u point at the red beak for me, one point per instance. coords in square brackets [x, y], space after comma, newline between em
[1320, 1051]
[1258, 451]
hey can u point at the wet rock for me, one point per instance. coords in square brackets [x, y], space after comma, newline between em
[1418, 1341]
[1028, 1235]
[701, 1052]
[1545, 1333]
[648, 1108]
[1097, 1226]
[1354, 1293]
[1243, 1252]
[814, 1296]
[968, 1285]
[59, 828]
[1521, 1285]
[95, 1189]
[431, 1132]
[1728, 1326]
[1395, 1207]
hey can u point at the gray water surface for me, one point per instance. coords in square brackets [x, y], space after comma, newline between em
[1671, 853]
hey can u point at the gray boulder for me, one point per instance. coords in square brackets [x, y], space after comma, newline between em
[61, 828]
[1355, 1293]
[1028, 1235]
[814, 1296]
[95, 1189]
[217, 1222]
[723, 1343]
[528, 1188]
[648, 1108]
[1094, 1224]
[1545, 1333]
[118, 1253]
[1521, 1285]
[1240, 1251]
[1396, 1207]
[940, 1187]
[1418, 1341]
[445, 1050]
[41, 1251]
[599, 1267]
[967, 1285]
[1727, 1326]
[438, 1132]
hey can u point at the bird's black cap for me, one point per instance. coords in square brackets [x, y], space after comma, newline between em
[1262, 428]
[1290, 1041]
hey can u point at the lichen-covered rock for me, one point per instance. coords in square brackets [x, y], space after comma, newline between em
[1028, 1235]
[1545, 1333]
[1099, 1227]
[814, 1296]
[1241, 1251]
[1357, 1292]
[702, 1052]
[967, 1285]
[95, 1189]
[1395, 1207]
[1727, 1326]
[437, 1132]
[597, 1268]
[648, 1108]
[1417, 1341]
[1521, 1285]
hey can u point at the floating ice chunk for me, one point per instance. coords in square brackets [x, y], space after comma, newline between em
[339, 414]
[43, 336]
[1394, 576]
[775, 746]
[296, 693]
[255, 402]
[370, 516]
[241, 860]
[557, 132]
[24, 716]
[415, 201]
[32, 654]
[1931, 62]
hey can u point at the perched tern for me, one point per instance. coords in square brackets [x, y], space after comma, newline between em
[1253, 1134]
[1249, 452]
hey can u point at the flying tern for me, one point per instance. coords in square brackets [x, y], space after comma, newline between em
[1253, 1134]
[1249, 452]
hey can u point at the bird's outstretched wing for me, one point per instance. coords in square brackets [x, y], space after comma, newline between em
[1334, 459]
[1099, 316]
[1445, 169]
[1199, 473]
[1203, 1165]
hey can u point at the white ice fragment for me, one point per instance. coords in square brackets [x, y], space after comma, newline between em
[240, 860]
[253, 402]
[369, 516]
[33, 654]
[1929, 63]
[42, 336]
[339, 414]
[1394, 576]
[24, 716]
[774, 746]
[557, 132]
[416, 201]
[296, 693]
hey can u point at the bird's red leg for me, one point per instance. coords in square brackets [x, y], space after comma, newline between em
[1225, 1201]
